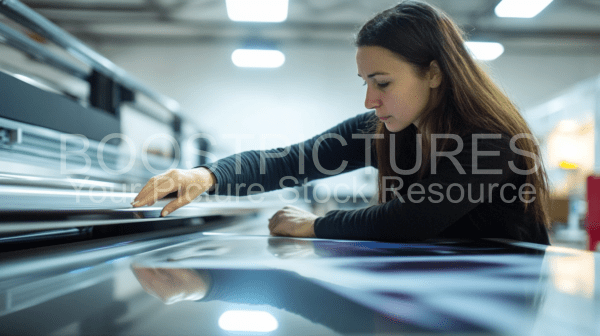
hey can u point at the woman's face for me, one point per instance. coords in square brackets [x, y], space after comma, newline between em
[394, 90]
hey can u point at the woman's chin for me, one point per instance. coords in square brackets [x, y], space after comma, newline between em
[394, 128]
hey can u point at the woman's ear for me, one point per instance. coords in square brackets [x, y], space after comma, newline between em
[434, 74]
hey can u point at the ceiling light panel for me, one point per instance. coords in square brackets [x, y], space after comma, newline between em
[521, 8]
[257, 10]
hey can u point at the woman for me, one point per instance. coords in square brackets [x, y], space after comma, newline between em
[455, 157]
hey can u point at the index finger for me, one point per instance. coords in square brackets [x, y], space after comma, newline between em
[155, 190]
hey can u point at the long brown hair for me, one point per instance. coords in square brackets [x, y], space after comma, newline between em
[466, 100]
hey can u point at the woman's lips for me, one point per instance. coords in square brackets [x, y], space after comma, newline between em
[384, 118]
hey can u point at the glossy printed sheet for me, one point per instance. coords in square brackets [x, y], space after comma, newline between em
[438, 286]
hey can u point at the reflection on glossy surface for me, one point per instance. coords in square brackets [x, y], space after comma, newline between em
[247, 320]
[281, 290]
[372, 281]
[288, 286]
[437, 286]
[173, 285]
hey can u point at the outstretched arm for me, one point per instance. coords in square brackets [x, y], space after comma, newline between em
[332, 152]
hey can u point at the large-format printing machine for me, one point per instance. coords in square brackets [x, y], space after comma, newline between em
[76, 259]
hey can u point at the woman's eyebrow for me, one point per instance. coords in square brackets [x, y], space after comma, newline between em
[375, 74]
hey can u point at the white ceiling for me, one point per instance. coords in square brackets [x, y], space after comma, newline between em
[564, 27]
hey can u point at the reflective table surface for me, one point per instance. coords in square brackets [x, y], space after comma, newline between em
[219, 283]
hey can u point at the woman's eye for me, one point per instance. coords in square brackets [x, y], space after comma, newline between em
[379, 85]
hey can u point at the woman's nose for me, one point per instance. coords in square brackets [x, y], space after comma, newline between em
[372, 100]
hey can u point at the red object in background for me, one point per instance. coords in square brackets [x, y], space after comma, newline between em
[593, 216]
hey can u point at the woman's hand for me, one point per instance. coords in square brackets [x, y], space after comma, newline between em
[293, 222]
[189, 184]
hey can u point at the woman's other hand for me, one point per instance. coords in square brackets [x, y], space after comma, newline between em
[189, 184]
[293, 222]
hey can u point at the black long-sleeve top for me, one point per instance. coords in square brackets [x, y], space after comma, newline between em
[465, 197]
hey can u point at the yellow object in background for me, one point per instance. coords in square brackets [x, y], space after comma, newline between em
[568, 165]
